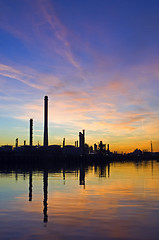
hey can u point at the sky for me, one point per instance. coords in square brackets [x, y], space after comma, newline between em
[98, 62]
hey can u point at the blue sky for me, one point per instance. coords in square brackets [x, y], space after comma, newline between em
[96, 60]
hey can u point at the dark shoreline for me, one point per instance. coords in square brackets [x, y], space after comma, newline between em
[30, 160]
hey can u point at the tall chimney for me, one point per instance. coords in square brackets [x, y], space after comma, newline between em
[63, 142]
[46, 121]
[80, 139]
[31, 132]
[83, 138]
[16, 142]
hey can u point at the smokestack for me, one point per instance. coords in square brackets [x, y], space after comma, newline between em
[83, 137]
[31, 132]
[63, 142]
[151, 147]
[16, 142]
[108, 148]
[46, 121]
[80, 139]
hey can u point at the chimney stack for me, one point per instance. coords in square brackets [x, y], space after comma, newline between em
[16, 142]
[31, 132]
[63, 142]
[46, 121]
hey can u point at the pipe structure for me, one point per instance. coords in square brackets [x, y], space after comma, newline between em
[31, 132]
[46, 121]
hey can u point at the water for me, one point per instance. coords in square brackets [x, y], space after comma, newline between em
[116, 201]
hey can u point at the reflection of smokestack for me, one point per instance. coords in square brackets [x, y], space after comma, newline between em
[31, 132]
[30, 186]
[45, 180]
[46, 121]
[108, 170]
[82, 176]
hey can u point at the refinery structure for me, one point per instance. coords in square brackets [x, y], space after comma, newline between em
[80, 148]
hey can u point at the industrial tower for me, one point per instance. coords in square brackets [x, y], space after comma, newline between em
[46, 121]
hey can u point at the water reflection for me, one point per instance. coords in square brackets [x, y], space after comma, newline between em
[45, 182]
[82, 176]
[16, 176]
[30, 186]
[152, 167]
[45, 190]
[105, 201]
[64, 176]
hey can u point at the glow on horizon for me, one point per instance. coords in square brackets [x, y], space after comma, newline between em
[97, 62]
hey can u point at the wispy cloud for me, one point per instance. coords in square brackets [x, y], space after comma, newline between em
[30, 77]
[13, 73]
[59, 30]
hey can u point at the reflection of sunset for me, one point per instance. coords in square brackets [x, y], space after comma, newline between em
[108, 206]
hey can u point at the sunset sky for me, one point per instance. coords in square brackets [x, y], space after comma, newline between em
[97, 60]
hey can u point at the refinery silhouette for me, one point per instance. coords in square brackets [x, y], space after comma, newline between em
[27, 159]
[80, 150]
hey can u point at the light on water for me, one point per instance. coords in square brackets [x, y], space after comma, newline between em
[113, 201]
